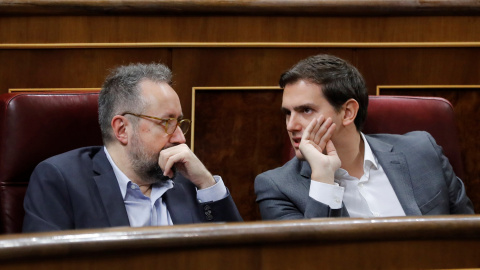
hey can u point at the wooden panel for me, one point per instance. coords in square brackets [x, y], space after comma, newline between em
[264, 7]
[419, 66]
[432, 254]
[236, 67]
[466, 103]
[15, 90]
[441, 242]
[73, 68]
[239, 134]
[213, 29]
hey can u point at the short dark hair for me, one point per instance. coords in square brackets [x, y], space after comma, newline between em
[121, 92]
[340, 81]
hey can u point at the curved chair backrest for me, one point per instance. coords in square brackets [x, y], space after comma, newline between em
[33, 127]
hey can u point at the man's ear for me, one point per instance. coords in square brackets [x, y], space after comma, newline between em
[350, 108]
[119, 125]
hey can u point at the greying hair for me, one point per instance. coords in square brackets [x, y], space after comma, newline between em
[121, 92]
[340, 81]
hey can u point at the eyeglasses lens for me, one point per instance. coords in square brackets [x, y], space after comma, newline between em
[184, 126]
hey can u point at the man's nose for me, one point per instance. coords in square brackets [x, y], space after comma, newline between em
[177, 136]
[293, 124]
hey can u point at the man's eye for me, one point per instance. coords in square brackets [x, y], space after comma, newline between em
[307, 110]
[164, 122]
[173, 122]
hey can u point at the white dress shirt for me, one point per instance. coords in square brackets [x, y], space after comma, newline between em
[152, 211]
[370, 196]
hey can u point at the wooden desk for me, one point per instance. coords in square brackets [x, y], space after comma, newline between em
[381, 243]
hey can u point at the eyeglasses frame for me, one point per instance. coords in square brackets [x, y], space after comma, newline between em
[167, 120]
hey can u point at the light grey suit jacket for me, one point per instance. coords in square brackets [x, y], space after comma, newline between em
[420, 174]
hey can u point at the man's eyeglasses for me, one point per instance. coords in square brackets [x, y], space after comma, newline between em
[169, 124]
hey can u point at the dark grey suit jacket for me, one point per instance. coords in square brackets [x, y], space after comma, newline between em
[420, 174]
[78, 190]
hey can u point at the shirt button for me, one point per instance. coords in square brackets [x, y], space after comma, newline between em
[337, 200]
[360, 185]
[376, 214]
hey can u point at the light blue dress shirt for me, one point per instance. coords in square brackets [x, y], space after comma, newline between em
[152, 211]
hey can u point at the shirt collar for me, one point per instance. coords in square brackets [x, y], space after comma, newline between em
[122, 179]
[368, 157]
[369, 160]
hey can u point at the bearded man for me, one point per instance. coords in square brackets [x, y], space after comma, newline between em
[144, 175]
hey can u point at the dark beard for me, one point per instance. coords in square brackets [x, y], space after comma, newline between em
[146, 167]
[155, 173]
[149, 172]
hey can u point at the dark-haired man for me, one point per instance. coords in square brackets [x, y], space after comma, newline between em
[338, 171]
[145, 175]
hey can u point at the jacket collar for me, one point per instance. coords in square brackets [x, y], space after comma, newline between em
[109, 190]
[394, 164]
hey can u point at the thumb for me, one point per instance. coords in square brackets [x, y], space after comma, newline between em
[331, 150]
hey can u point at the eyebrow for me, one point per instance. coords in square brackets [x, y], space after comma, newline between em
[300, 107]
[180, 117]
[304, 106]
[284, 110]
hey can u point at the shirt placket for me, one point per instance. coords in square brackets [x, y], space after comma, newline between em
[153, 214]
[364, 191]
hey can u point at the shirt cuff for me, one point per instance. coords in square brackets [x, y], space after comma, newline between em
[331, 195]
[213, 193]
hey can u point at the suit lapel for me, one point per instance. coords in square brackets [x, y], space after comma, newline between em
[395, 167]
[175, 198]
[109, 191]
[306, 172]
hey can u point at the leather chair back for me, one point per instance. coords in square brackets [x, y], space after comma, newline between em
[33, 127]
[402, 114]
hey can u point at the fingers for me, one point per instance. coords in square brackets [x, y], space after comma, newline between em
[187, 164]
[323, 136]
[319, 131]
[168, 157]
[317, 128]
[327, 136]
[170, 161]
[313, 128]
[308, 130]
